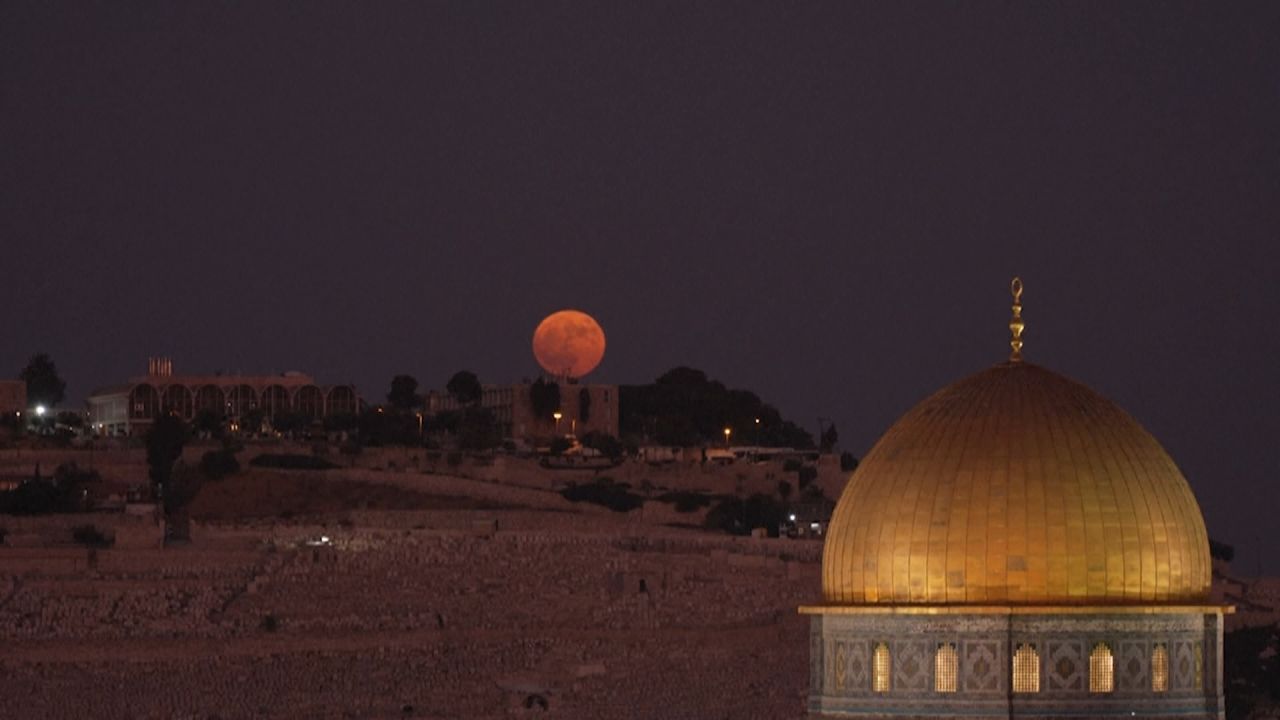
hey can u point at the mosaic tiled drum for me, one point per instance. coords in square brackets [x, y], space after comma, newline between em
[1016, 545]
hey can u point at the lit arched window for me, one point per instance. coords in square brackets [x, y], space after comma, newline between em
[1101, 669]
[945, 666]
[1026, 669]
[880, 668]
[1159, 668]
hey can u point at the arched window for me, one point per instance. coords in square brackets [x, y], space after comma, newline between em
[880, 665]
[1159, 668]
[1026, 669]
[945, 668]
[1102, 677]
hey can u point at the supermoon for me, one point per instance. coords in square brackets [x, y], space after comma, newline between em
[568, 342]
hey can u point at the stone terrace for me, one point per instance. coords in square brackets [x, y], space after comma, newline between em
[436, 615]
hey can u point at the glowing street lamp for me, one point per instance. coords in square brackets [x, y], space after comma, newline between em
[557, 415]
[727, 433]
[40, 411]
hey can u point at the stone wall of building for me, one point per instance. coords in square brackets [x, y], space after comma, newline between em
[844, 647]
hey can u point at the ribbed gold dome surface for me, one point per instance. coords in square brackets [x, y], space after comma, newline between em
[1016, 486]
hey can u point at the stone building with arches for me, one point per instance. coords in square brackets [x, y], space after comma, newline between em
[1016, 545]
[129, 408]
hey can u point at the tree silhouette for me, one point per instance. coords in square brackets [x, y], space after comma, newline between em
[404, 393]
[545, 398]
[464, 387]
[829, 438]
[44, 385]
[165, 440]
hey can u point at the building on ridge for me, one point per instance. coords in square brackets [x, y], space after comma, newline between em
[13, 397]
[130, 408]
[512, 407]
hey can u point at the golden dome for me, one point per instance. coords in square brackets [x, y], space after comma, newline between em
[1016, 486]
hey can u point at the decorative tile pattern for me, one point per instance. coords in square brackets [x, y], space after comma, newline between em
[912, 666]
[1132, 660]
[982, 668]
[1184, 665]
[1066, 663]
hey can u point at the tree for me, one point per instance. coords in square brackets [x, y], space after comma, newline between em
[209, 423]
[478, 430]
[165, 440]
[44, 385]
[164, 446]
[584, 406]
[290, 422]
[560, 445]
[606, 444]
[464, 387]
[545, 398]
[1221, 551]
[848, 463]
[784, 490]
[404, 393]
[829, 438]
[251, 422]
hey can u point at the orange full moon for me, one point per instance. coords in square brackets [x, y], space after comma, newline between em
[568, 342]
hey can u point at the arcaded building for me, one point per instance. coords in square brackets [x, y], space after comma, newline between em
[1016, 545]
[131, 407]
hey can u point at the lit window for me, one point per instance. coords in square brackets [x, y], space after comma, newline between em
[1159, 668]
[945, 664]
[880, 669]
[1026, 669]
[1101, 669]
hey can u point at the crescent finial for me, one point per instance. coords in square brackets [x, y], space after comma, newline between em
[1016, 325]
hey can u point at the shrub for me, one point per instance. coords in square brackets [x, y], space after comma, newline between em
[739, 517]
[848, 463]
[608, 445]
[90, 536]
[791, 465]
[604, 491]
[808, 474]
[217, 464]
[291, 461]
[685, 501]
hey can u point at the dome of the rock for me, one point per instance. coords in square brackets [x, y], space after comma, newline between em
[1016, 546]
[1016, 485]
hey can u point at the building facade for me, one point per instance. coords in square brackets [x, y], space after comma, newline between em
[13, 397]
[583, 409]
[1016, 545]
[131, 407]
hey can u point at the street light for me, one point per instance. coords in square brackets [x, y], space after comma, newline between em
[557, 415]
[40, 411]
[727, 433]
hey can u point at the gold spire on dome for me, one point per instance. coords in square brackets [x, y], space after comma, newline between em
[1015, 323]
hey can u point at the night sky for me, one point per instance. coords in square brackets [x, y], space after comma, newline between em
[820, 202]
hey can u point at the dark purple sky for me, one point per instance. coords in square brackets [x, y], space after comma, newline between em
[823, 203]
